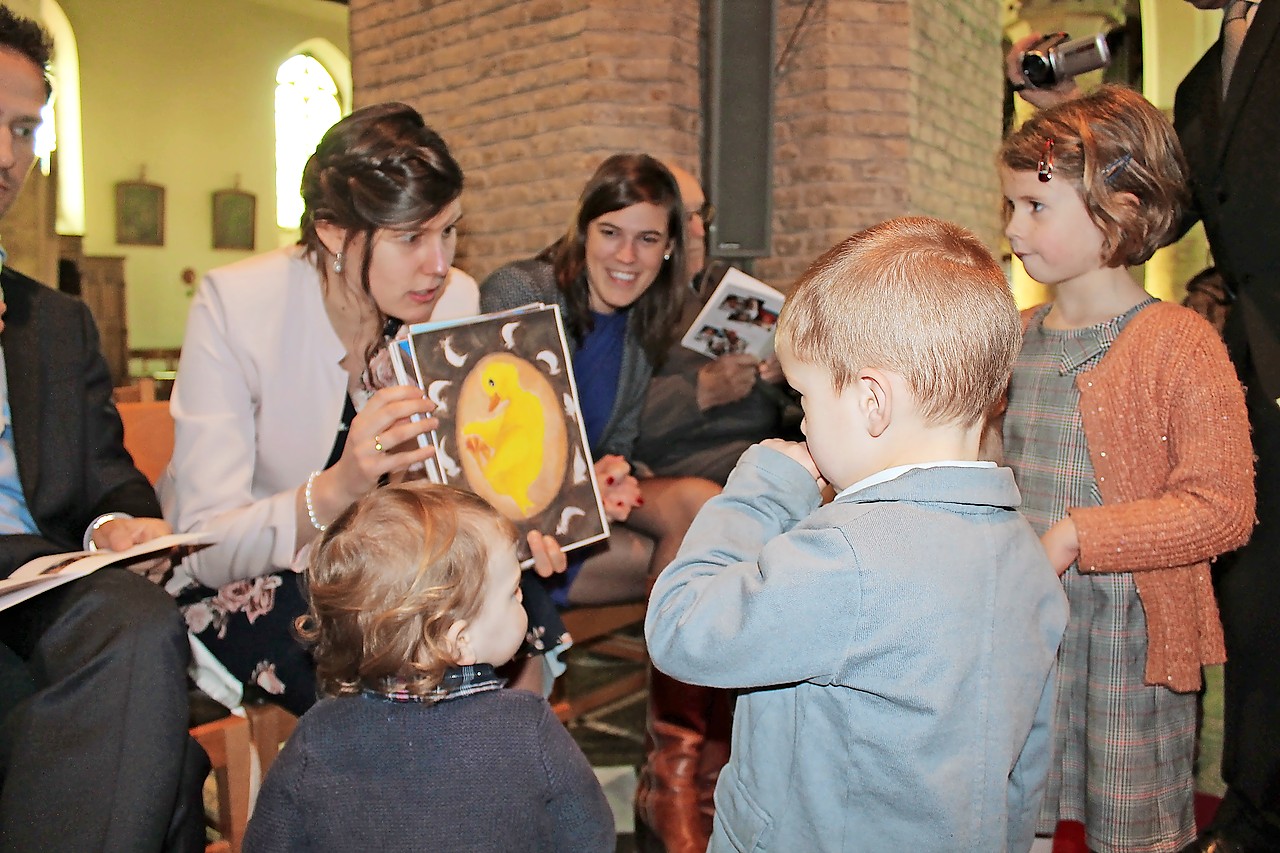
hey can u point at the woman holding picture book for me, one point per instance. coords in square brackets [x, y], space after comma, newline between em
[618, 275]
[278, 427]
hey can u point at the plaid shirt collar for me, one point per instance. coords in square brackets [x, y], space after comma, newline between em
[458, 681]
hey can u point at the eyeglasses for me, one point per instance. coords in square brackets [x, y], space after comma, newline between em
[707, 213]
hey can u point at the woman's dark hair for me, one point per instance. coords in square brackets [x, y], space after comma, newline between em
[380, 167]
[619, 182]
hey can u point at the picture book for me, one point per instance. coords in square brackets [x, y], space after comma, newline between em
[44, 573]
[740, 316]
[510, 428]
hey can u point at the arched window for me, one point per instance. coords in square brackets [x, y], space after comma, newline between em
[307, 105]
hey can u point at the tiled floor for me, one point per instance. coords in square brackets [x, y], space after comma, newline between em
[612, 737]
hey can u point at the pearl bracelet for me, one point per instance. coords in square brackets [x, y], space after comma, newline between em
[311, 510]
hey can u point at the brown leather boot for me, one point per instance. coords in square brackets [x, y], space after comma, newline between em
[668, 814]
[715, 752]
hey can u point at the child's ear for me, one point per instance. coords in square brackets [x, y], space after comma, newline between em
[459, 643]
[875, 399]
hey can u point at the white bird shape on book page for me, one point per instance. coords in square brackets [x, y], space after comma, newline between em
[448, 466]
[548, 358]
[566, 516]
[509, 334]
[579, 467]
[435, 393]
[451, 356]
[569, 408]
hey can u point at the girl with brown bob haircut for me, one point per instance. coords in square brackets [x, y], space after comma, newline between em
[1123, 157]
[1127, 433]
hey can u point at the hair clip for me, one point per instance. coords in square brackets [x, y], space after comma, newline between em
[1044, 171]
[1115, 167]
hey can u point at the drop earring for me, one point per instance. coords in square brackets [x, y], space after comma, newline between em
[337, 263]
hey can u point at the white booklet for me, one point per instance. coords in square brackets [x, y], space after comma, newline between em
[44, 573]
[740, 316]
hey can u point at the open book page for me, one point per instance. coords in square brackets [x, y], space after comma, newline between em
[510, 425]
[740, 316]
[44, 573]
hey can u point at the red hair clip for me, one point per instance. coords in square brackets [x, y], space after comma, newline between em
[1044, 170]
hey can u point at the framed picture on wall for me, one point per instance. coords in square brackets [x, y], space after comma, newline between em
[234, 219]
[139, 213]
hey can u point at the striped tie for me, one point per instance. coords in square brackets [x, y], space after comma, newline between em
[1235, 23]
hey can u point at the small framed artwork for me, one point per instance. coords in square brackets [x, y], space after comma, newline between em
[234, 219]
[139, 213]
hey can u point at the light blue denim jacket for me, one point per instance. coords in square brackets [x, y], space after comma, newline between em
[895, 648]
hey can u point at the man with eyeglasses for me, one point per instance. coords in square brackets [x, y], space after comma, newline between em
[699, 416]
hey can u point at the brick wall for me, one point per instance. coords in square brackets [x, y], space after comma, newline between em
[883, 107]
[531, 96]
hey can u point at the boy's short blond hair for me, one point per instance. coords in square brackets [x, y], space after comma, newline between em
[1114, 146]
[389, 577]
[915, 295]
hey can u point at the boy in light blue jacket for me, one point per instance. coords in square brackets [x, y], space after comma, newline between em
[894, 647]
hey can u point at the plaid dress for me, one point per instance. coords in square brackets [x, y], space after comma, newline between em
[1123, 751]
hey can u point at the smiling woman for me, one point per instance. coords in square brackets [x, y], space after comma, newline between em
[617, 275]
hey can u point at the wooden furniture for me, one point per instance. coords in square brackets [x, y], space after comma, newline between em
[240, 748]
[141, 390]
[226, 742]
[269, 726]
[102, 289]
[148, 435]
[597, 628]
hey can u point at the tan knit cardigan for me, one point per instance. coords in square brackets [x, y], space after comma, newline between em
[1165, 420]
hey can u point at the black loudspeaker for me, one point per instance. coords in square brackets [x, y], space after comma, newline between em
[739, 101]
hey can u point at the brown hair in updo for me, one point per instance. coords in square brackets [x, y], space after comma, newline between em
[380, 167]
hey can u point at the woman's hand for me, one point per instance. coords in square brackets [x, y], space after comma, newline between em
[382, 439]
[1062, 543]
[619, 491]
[1065, 90]
[548, 559]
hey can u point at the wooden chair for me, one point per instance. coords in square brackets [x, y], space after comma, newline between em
[226, 742]
[143, 390]
[597, 628]
[148, 435]
[231, 741]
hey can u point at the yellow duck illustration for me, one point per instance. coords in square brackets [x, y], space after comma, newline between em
[508, 443]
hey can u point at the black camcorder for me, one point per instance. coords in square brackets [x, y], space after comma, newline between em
[1056, 57]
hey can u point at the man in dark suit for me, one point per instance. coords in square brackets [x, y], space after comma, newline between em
[1231, 136]
[1227, 114]
[93, 696]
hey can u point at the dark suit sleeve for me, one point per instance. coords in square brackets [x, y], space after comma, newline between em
[69, 423]
[114, 483]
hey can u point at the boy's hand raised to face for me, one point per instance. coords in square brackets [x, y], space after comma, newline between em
[799, 451]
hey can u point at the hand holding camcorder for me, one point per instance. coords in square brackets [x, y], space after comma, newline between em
[1056, 58]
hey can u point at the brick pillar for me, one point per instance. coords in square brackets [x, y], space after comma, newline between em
[531, 95]
[883, 107]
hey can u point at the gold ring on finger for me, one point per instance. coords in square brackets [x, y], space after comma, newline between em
[377, 445]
